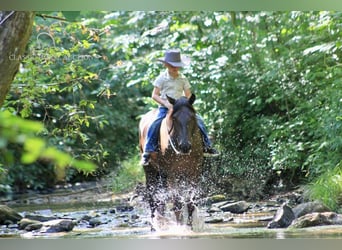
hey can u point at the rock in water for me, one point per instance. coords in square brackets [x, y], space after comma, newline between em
[283, 218]
[60, 225]
[8, 215]
[309, 207]
[23, 223]
[235, 207]
[317, 219]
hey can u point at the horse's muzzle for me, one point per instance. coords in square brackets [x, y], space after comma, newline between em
[185, 147]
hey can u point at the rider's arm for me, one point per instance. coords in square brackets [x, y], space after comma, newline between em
[187, 93]
[158, 99]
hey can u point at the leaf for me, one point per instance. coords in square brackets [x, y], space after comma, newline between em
[3, 143]
[133, 82]
[60, 158]
[71, 16]
[84, 166]
[33, 148]
[64, 160]
[325, 47]
[29, 126]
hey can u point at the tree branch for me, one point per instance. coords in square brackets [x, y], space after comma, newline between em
[52, 17]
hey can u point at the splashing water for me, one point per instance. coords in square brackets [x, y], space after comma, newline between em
[179, 212]
[167, 226]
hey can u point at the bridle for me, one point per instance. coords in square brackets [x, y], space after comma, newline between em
[173, 146]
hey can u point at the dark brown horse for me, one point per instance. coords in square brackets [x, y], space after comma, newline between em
[175, 171]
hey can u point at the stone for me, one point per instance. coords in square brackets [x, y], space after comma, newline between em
[283, 218]
[33, 227]
[214, 209]
[41, 218]
[60, 225]
[317, 219]
[124, 208]
[135, 217]
[309, 207]
[213, 220]
[94, 222]
[8, 215]
[86, 217]
[238, 207]
[23, 223]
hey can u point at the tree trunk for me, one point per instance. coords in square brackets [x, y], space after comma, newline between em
[15, 31]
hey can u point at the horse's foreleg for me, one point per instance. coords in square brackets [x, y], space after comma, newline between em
[191, 208]
[152, 204]
[158, 207]
[151, 184]
[155, 197]
[178, 209]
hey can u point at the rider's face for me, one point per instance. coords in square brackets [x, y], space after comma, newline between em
[173, 71]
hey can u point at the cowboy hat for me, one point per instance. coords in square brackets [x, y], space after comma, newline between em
[174, 58]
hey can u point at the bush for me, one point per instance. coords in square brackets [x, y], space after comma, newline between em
[327, 188]
[128, 176]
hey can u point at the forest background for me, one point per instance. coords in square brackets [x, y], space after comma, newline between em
[268, 85]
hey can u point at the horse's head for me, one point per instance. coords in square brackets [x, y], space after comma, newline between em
[184, 124]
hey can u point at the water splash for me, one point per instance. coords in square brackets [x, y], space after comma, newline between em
[167, 226]
[177, 210]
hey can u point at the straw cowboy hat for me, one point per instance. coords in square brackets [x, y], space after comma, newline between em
[174, 58]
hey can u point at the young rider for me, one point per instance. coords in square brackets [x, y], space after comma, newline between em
[174, 84]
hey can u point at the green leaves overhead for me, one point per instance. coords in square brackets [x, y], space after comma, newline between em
[17, 130]
[71, 16]
[267, 84]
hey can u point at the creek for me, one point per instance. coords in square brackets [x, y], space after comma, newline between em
[120, 217]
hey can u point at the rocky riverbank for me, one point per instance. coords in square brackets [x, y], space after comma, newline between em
[94, 211]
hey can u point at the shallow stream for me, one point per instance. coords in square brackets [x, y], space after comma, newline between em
[133, 223]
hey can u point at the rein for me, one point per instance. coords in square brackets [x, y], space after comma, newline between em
[174, 147]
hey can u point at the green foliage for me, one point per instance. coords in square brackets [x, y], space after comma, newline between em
[128, 176]
[327, 188]
[270, 82]
[267, 85]
[24, 134]
[71, 15]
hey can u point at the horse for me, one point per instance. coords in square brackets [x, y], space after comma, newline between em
[174, 172]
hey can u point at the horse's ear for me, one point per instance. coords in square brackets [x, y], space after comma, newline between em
[171, 100]
[192, 99]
